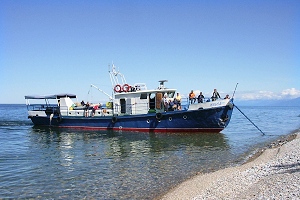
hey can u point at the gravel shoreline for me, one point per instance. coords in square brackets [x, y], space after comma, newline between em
[273, 173]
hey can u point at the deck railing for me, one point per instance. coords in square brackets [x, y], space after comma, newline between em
[42, 107]
[115, 109]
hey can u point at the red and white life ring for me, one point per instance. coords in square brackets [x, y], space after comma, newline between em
[118, 88]
[126, 87]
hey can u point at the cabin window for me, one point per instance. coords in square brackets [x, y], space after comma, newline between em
[143, 96]
[152, 100]
[170, 94]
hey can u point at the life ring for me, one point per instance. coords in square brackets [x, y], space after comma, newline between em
[118, 88]
[114, 120]
[158, 116]
[126, 88]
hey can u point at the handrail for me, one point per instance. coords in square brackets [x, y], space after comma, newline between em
[40, 107]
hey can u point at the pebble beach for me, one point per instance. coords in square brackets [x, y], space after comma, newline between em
[273, 174]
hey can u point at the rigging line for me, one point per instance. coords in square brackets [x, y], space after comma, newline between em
[235, 89]
[88, 94]
[249, 119]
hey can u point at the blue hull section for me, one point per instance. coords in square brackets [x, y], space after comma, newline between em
[203, 120]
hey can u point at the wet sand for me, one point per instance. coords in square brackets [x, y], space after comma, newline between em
[274, 173]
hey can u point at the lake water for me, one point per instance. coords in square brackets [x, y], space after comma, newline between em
[47, 163]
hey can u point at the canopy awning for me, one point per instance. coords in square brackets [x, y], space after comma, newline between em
[54, 96]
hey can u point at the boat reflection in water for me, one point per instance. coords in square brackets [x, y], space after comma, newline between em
[122, 164]
[125, 142]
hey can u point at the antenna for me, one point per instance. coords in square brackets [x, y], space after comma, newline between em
[161, 84]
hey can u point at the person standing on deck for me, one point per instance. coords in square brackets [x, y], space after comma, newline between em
[200, 98]
[192, 97]
[215, 95]
[95, 107]
[86, 109]
[178, 101]
[166, 103]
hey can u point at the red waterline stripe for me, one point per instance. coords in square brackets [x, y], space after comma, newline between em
[204, 130]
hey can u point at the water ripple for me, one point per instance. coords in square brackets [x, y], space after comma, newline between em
[51, 163]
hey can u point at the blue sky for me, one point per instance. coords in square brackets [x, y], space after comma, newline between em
[51, 47]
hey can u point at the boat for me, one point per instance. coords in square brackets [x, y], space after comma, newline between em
[131, 108]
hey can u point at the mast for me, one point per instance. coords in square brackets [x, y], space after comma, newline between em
[114, 77]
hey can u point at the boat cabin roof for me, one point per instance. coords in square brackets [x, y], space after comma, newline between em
[128, 94]
[54, 96]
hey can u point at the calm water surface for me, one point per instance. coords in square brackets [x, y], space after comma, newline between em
[52, 163]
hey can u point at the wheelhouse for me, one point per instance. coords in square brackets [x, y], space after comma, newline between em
[142, 101]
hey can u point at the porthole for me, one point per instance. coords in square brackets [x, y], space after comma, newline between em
[170, 118]
[148, 121]
[184, 117]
